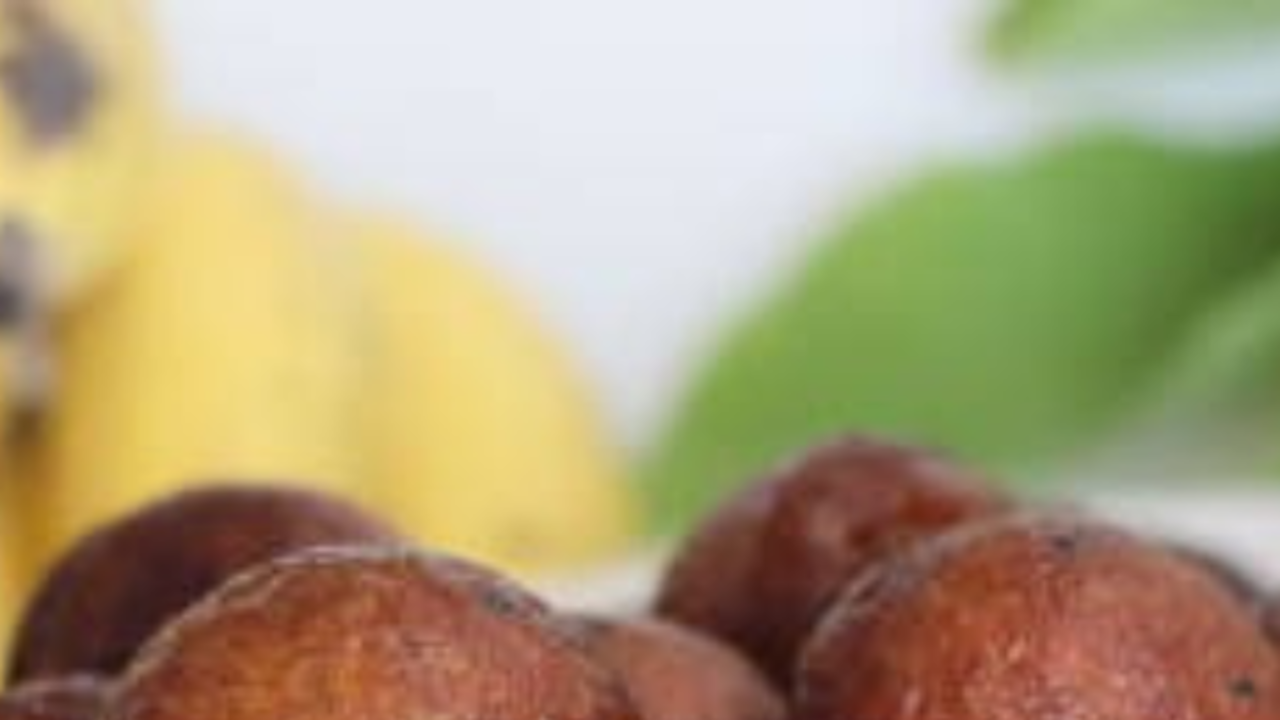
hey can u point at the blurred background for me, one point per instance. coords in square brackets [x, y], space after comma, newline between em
[643, 169]
[544, 282]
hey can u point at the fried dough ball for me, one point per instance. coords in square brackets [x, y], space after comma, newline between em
[1038, 617]
[763, 568]
[368, 634]
[113, 589]
[675, 673]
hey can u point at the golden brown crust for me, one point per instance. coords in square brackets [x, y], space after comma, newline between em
[79, 697]
[762, 569]
[112, 590]
[674, 673]
[709, 580]
[1032, 617]
[365, 634]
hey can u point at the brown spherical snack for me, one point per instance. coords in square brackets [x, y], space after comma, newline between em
[675, 673]
[77, 697]
[368, 634]
[114, 588]
[764, 567]
[1033, 617]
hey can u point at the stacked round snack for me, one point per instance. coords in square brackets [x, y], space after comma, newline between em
[762, 570]
[866, 580]
[243, 602]
[879, 581]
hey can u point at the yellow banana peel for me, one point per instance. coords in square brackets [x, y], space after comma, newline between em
[480, 437]
[222, 348]
[78, 118]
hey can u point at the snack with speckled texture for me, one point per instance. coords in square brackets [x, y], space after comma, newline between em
[368, 634]
[117, 586]
[676, 673]
[1032, 617]
[761, 570]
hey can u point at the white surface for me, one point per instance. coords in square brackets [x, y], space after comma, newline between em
[638, 166]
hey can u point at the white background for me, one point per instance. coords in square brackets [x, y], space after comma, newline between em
[639, 168]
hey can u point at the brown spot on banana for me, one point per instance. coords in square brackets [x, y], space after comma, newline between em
[25, 319]
[49, 81]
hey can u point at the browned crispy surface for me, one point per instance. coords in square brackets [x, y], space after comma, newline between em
[1034, 618]
[79, 697]
[673, 673]
[121, 583]
[762, 569]
[368, 635]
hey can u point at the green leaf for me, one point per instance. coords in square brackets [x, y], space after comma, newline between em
[1231, 356]
[1014, 313]
[1215, 408]
[1092, 28]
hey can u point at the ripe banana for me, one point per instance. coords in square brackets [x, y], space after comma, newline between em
[9, 608]
[17, 576]
[223, 347]
[78, 114]
[478, 436]
[9, 577]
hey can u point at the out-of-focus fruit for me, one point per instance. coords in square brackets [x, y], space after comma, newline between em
[1036, 617]
[78, 122]
[224, 348]
[76, 697]
[674, 673]
[368, 635]
[25, 319]
[117, 586]
[10, 576]
[764, 567]
[479, 436]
